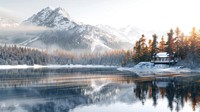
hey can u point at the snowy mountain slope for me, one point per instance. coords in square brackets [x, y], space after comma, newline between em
[26, 42]
[57, 19]
[113, 31]
[66, 34]
[133, 33]
[69, 35]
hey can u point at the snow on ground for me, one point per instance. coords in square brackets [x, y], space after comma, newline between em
[2, 67]
[147, 68]
[152, 71]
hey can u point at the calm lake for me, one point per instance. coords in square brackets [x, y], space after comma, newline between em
[97, 90]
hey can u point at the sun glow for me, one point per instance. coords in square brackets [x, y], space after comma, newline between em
[160, 14]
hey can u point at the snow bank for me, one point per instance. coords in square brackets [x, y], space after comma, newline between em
[90, 66]
[147, 68]
[14, 66]
[2, 67]
[153, 71]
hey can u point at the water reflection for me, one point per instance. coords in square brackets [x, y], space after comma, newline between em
[63, 90]
[177, 91]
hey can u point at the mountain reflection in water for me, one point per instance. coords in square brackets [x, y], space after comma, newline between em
[85, 90]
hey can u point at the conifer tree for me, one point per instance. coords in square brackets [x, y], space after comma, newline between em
[154, 45]
[182, 47]
[149, 45]
[162, 45]
[137, 49]
[177, 42]
[142, 41]
[170, 43]
[193, 54]
[141, 50]
[194, 40]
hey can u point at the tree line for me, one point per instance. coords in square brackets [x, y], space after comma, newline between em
[186, 48]
[18, 55]
[15, 55]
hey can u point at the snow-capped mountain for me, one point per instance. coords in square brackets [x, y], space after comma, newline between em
[7, 22]
[57, 19]
[66, 34]
[113, 31]
[133, 33]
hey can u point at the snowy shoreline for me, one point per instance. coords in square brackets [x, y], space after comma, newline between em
[4, 67]
[159, 71]
[147, 68]
[143, 69]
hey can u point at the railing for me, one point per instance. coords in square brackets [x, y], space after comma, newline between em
[164, 61]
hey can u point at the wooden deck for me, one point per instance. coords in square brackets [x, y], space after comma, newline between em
[165, 62]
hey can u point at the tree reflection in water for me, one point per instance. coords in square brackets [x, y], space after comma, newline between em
[176, 91]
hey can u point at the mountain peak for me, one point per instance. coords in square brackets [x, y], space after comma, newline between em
[56, 18]
[60, 8]
[62, 11]
[48, 8]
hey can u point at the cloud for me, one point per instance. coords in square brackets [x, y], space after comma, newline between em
[9, 23]
[21, 28]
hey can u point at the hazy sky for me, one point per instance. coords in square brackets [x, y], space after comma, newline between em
[145, 14]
